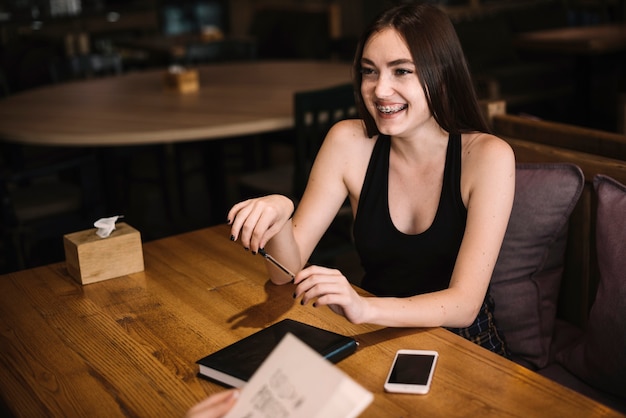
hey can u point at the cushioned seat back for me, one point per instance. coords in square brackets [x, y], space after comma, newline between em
[526, 279]
[598, 357]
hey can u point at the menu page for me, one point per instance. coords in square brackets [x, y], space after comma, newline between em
[295, 381]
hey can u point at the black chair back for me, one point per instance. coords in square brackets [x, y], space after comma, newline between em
[315, 113]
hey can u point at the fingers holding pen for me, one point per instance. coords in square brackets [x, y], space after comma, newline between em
[329, 287]
[242, 228]
[314, 282]
[256, 221]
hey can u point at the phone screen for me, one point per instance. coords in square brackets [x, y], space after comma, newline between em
[412, 369]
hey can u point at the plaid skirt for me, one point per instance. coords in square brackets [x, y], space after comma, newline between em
[484, 330]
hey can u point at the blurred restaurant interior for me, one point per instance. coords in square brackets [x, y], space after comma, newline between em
[161, 189]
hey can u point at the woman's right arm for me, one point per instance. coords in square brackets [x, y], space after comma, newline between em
[266, 222]
[254, 222]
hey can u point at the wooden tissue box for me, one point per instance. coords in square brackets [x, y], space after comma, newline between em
[182, 80]
[91, 259]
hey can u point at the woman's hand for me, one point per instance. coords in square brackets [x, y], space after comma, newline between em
[330, 287]
[215, 406]
[256, 221]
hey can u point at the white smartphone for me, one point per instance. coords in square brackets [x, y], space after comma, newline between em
[411, 371]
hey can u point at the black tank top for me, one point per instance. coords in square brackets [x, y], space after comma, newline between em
[397, 264]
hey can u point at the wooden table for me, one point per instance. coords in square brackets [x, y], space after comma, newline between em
[234, 99]
[128, 346]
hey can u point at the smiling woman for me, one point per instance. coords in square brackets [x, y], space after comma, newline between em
[437, 58]
[431, 191]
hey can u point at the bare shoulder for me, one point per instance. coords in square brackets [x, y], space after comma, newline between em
[349, 131]
[482, 148]
[347, 139]
[488, 164]
[344, 155]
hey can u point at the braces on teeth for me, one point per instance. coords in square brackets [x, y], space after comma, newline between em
[390, 109]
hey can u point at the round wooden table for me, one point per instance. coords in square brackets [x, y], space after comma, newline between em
[234, 99]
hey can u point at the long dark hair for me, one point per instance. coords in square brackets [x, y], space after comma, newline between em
[440, 65]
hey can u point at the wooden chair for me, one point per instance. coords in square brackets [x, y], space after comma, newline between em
[43, 199]
[595, 152]
[563, 135]
[314, 112]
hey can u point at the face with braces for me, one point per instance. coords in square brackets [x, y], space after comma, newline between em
[390, 85]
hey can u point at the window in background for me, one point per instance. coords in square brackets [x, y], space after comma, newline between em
[191, 17]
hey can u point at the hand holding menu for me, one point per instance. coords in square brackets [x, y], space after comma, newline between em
[296, 381]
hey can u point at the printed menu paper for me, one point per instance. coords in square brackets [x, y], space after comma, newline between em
[295, 381]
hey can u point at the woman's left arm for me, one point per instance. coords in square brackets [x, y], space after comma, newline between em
[489, 189]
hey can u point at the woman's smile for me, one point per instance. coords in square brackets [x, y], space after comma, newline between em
[391, 109]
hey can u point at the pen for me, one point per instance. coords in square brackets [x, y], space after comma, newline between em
[277, 264]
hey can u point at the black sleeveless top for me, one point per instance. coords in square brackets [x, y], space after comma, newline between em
[397, 264]
[402, 265]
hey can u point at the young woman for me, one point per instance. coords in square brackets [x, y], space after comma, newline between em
[431, 191]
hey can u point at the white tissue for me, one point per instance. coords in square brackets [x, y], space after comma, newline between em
[105, 226]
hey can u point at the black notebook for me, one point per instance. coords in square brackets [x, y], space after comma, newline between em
[235, 364]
